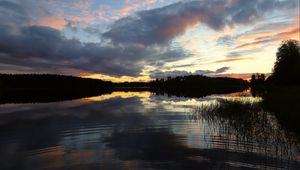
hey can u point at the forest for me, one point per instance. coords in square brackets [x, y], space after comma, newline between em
[47, 87]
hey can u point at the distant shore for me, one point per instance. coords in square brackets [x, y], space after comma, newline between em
[16, 88]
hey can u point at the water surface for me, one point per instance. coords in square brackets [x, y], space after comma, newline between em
[141, 130]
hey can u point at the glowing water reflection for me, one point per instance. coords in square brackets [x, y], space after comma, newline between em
[140, 130]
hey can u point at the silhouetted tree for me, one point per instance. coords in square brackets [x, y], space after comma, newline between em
[257, 80]
[287, 66]
[253, 78]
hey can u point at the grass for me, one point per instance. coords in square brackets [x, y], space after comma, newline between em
[246, 117]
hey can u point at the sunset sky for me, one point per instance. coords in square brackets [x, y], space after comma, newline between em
[135, 40]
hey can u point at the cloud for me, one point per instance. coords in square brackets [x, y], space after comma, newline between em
[254, 43]
[266, 34]
[92, 30]
[28, 12]
[291, 33]
[31, 39]
[160, 74]
[234, 54]
[37, 46]
[234, 59]
[13, 14]
[281, 35]
[222, 70]
[239, 53]
[161, 25]
[133, 5]
[42, 48]
[226, 40]
[57, 22]
[86, 16]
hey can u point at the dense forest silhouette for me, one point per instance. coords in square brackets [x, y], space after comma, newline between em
[31, 88]
[197, 85]
[50, 81]
[48, 88]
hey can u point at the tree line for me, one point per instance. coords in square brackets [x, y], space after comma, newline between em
[50, 81]
[24, 88]
[197, 85]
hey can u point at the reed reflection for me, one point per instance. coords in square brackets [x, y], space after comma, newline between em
[244, 125]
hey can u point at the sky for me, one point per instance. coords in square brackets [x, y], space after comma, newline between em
[135, 40]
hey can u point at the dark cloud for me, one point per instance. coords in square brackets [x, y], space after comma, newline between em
[234, 54]
[45, 48]
[222, 70]
[161, 25]
[160, 74]
[209, 72]
[12, 14]
[203, 72]
[184, 65]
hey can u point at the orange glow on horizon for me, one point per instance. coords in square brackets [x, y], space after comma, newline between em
[116, 79]
[236, 76]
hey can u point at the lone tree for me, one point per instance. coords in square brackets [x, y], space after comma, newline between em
[287, 66]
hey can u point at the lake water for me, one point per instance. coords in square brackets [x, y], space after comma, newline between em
[141, 130]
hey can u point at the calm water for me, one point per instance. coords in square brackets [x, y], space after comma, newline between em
[140, 130]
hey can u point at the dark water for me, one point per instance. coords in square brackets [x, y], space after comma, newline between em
[140, 130]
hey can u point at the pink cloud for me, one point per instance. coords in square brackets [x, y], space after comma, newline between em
[254, 43]
[176, 25]
[56, 22]
[289, 34]
[234, 59]
[133, 5]
[87, 16]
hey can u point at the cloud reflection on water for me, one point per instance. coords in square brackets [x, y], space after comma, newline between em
[134, 130]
